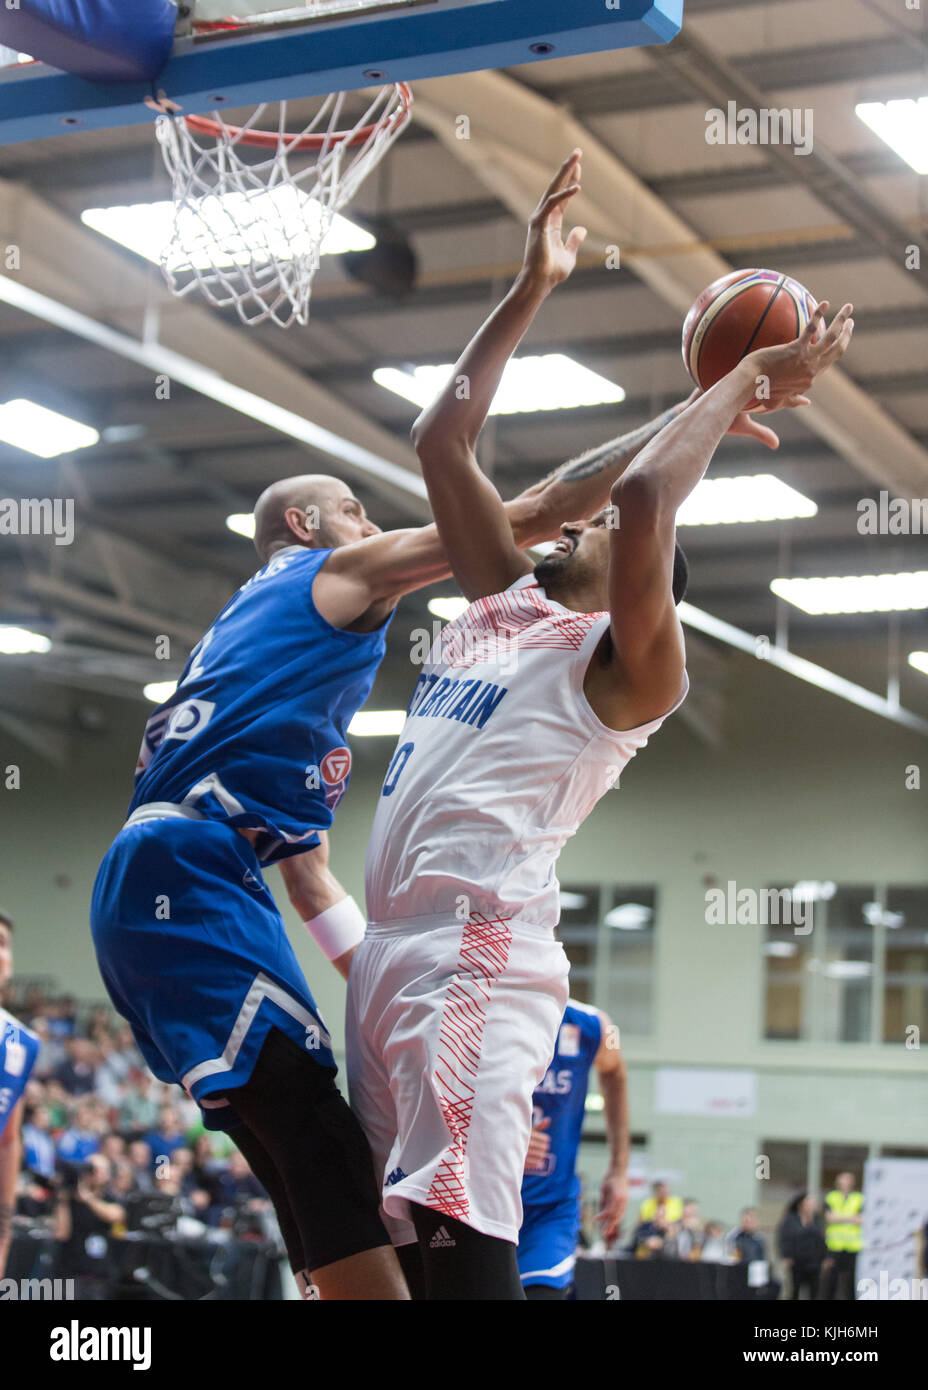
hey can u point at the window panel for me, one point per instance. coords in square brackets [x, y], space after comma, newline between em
[628, 942]
[905, 988]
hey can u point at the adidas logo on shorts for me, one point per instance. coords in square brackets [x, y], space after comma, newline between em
[441, 1240]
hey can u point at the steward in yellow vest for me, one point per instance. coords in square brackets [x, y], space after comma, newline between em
[843, 1234]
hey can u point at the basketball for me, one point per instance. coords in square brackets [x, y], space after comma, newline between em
[742, 311]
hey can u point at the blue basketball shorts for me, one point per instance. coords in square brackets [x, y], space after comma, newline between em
[195, 956]
[548, 1242]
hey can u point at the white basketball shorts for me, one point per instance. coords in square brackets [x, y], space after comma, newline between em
[450, 1027]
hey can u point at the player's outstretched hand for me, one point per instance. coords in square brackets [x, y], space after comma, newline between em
[549, 259]
[782, 375]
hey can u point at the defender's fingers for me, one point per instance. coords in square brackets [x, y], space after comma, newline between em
[576, 239]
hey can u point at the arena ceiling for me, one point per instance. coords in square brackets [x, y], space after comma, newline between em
[151, 553]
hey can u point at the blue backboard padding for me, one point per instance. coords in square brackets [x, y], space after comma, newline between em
[406, 45]
[102, 40]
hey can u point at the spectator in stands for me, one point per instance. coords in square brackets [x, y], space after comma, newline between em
[38, 1144]
[662, 1201]
[82, 1137]
[654, 1239]
[713, 1243]
[113, 1147]
[77, 1073]
[138, 1108]
[802, 1244]
[183, 1170]
[745, 1241]
[746, 1244]
[60, 1015]
[139, 1156]
[168, 1135]
[207, 1169]
[57, 1101]
[237, 1182]
[53, 1052]
[85, 1214]
[690, 1231]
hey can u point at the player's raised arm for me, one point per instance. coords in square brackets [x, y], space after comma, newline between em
[642, 673]
[472, 520]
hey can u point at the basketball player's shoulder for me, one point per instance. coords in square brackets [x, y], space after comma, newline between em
[587, 1018]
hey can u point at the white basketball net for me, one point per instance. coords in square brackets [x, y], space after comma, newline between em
[248, 231]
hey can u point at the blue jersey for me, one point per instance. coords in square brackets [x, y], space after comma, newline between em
[561, 1098]
[19, 1048]
[255, 733]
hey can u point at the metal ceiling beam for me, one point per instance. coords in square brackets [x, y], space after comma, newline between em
[856, 60]
[230, 367]
[707, 73]
[802, 669]
[71, 596]
[760, 178]
[518, 136]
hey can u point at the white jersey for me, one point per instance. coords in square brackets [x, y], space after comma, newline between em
[500, 761]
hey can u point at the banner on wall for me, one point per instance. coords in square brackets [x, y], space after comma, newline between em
[709, 1091]
[891, 1264]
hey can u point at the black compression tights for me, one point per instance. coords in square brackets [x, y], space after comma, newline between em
[458, 1262]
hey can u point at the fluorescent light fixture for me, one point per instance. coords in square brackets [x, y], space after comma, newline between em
[242, 523]
[594, 1101]
[811, 891]
[758, 497]
[876, 916]
[42, 432]
[920, 661]
[376, 723]
[159, 691]
[785, 949]
[448, 608]
[573, 901]
[551, 382]
[847, 969]
[629, 917]
[903, 125]
[856, 593]
[123, 434]
[231, 229]
[15, 641]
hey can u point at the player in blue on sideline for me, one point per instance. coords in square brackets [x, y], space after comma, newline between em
[586, 1041]
[19, 1048]
[243, 767]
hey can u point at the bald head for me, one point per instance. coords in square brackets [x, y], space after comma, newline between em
[281, 513]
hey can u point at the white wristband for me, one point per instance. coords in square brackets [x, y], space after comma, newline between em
[338, 929]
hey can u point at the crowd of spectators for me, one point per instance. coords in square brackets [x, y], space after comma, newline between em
[668, 1227]
[109, 1151]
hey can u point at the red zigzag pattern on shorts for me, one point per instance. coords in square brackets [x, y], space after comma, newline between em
[483, 956]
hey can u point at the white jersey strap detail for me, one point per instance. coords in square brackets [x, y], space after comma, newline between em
[163, 810]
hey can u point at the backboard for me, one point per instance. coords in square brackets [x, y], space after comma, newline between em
[291, 50]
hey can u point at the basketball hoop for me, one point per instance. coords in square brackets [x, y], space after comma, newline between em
[249, 232]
